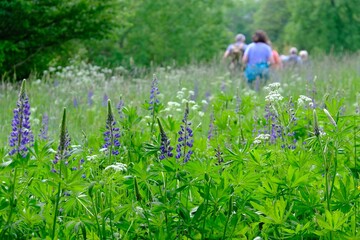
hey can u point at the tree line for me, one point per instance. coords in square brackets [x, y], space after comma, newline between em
[35, 34]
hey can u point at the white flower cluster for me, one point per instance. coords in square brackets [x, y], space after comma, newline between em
[261, 137]
[305, 101]
[118, 167]
[274, 95]
[81, 71]
[176, 106]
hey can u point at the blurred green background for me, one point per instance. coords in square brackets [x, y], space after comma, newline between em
[36, 34]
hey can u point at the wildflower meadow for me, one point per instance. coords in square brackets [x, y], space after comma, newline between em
[182, 153]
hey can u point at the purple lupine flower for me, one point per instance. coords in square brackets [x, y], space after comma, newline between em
[64, 149]
[90, 97]
[120, 107]
[112, 133]
[223, 86]
[105, 100]
[21, 136]
[211, 126]
[43, 135]
[218, 155]
[196, 91]
[185, 140]
[75, 102]
[165, 148]
[153, 94]
[238, 103]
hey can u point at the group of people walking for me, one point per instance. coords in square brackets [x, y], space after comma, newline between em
[258, 57]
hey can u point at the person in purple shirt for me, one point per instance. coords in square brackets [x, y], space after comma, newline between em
[257, 58]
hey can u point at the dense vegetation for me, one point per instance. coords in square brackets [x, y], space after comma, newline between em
[190, 153]
[38, 34]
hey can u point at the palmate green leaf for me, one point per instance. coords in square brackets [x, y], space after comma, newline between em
[269, 188]
[332, 221]
[274, 211]
[295, 178]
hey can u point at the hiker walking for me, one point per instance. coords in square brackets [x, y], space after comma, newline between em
[235, 51]
[293, 59]
[257, 57]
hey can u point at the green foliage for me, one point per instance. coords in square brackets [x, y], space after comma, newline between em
[290, 185]
[167, 31]
[324, 25]
[34, 33]
[272, 16]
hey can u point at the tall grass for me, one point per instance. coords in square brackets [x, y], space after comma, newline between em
[260, 164]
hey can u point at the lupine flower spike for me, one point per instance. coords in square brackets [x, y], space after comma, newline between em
[165, 148]
[185, 140]
[64, 150]
[120, 108]
[43, 135]
[316, 124]
[331, 119]
[21, 136]
[153, 94]
[112, 134]
[154, 101]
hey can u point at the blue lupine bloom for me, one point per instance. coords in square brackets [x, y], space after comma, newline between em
[64, 150]
[153, 93]
[90, 97]
[196, 91]
[165, 148]
[21, 136]
[185, 140]
[105, 99]
[75, 102]
[112, 133]
[120, 107]
[238, 104]
[43, 135]
[211, 126]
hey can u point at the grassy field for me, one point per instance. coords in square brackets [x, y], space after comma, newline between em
[188, 153]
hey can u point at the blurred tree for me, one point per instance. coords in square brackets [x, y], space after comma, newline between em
[174, 30]
[239, 18]
[272, 16]
[33, 33]
[324, 26]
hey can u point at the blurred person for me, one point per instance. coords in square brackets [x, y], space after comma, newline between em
[258, 57]
[304, 56]
[293, 59]
[277, 60]
[235, 51]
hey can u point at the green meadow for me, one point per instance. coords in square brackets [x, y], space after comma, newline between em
[184, 153]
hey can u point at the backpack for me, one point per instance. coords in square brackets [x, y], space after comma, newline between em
[237, 52]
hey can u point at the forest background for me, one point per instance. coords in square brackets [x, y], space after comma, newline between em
[36, 34]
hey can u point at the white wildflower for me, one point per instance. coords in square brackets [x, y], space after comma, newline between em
[201, 114]
[204, 102]
[263, 137]
[195, 107]
[304, 100]
[180, 95]
[257, 141]
[273, 96]
[118, 167]
[91, 157]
